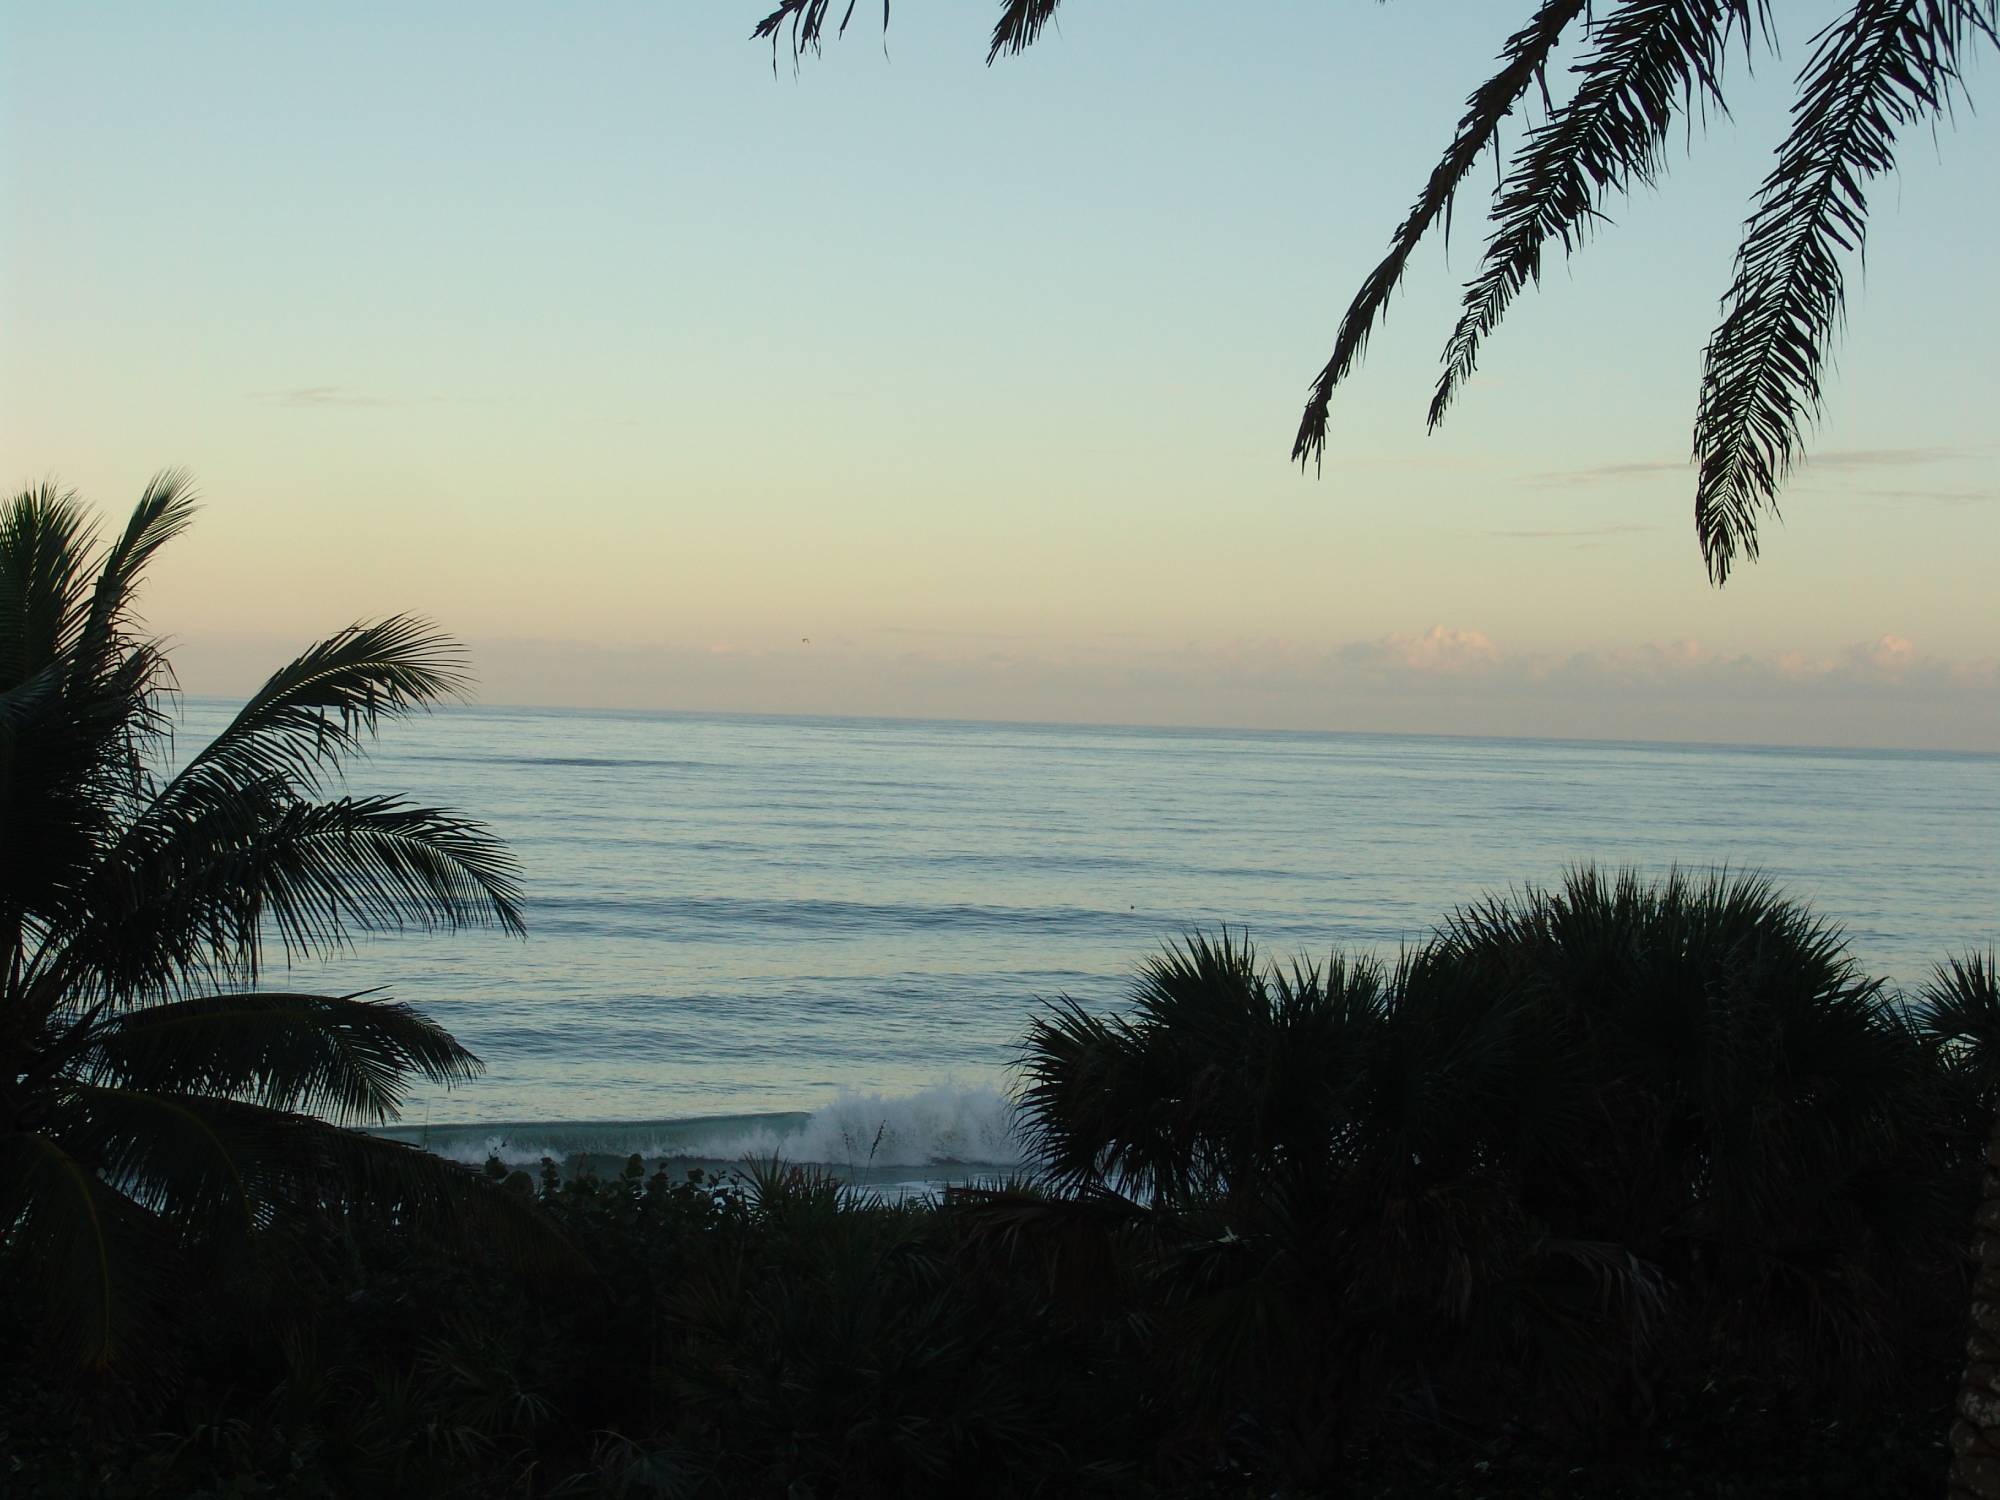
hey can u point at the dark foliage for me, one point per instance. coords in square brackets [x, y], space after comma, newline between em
[1614, 1189]
[153, 1130]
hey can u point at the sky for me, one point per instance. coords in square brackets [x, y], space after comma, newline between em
[897, 384]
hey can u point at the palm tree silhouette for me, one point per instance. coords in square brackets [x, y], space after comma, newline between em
[154, 1102]
[1881, 69]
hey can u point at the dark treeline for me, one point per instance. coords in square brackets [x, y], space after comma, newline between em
[1616, 1189]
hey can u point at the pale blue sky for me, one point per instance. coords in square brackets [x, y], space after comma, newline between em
[578, 330]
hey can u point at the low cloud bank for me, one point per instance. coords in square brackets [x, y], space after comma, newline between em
[1444, 680]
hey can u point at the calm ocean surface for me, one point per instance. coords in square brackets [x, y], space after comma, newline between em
[742, 916]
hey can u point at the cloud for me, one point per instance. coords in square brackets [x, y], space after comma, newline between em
[1888, 690]
[1879, 458]
[1596, 472]
[1935, 497]
[1832, 458]
[323, 396]
[1441, 649]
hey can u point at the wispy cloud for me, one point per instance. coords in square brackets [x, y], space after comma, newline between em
[1597, 472]
[1832, 458]
[1931, 497]
[1880, 458]
[323, 396]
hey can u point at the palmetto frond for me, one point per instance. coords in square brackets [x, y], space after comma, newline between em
[1883, 67]
[1959, 1009]
[1523, 62]
[1650, 62]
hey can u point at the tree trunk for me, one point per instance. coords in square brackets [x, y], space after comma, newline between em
[1975, 1434]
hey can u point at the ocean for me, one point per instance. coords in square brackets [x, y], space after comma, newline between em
[825, 936]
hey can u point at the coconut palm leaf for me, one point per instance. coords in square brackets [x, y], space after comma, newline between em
[44, 557]
[1651, 62]
[346, 1058]
[325, 704]
[138, 1115]
[1883, 67]
[240, 861]
[83, 1246]
[1020, 23]
[1523, 63]
[158, 1149]
[165, 510]
[808, 22]
[301, 1164]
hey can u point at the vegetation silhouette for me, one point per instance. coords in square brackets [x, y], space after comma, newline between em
[1580, 1145]
[1959, 1011]
[159, 1111]
[1610, 1189]
[1879, 70]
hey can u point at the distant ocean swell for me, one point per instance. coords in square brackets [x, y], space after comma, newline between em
[948, 1126]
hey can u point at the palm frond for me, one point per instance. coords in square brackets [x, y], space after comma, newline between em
[84, 1248]
[164, 511]
[159, 1150]
[1523, 60]
[1959, 1010]
[301, 1165]
[327, 702]
[1020, 24]
[197, 895]
[1651, 61]
[45, 540]
[346, 1058]
[808, 20]
[1883, 67]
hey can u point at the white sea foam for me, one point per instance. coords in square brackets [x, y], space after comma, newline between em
[948, 1124]
[944, 1125]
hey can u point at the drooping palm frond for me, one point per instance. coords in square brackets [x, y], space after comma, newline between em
[102, 1201]
[189, 901]
[808, 20]
[1650, 63]
[1524, 61]
[1020, 23]
[80, 1248]
[346, 1058]
[303, 1165]
[1883, 67]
